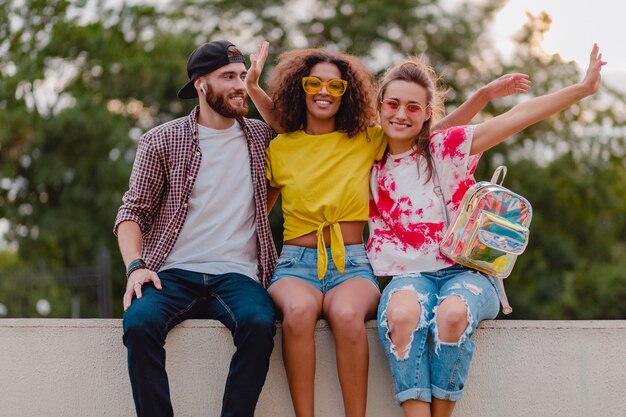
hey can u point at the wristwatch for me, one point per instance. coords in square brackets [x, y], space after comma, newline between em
[135, 265]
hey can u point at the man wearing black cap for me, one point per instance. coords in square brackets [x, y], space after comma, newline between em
[194, 235]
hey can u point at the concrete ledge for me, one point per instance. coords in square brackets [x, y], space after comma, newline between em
[77, 368]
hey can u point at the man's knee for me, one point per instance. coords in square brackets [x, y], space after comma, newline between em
[140, 326]
[260, 321]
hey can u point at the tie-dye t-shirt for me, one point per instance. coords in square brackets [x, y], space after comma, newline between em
[406, 218]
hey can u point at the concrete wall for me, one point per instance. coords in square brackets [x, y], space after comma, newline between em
[77, 368]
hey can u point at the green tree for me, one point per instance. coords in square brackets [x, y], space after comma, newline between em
[22, 286]
[81, 80]
[76, 92]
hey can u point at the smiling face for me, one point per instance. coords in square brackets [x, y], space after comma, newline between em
[225, 90]
[322, 107]
[403, 125]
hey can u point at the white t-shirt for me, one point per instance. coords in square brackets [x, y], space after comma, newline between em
[219, 235]
[406, 218]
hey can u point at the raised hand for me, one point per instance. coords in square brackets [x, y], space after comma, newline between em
[509, 84]
[592, 77]
[257, 62]
[263, 102]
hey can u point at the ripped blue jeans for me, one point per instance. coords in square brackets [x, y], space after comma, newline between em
[439, 370]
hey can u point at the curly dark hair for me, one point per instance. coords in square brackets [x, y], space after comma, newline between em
[357, 109]
[413, 70]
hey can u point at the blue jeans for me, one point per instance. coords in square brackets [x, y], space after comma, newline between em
[239, 302]
[441, 370]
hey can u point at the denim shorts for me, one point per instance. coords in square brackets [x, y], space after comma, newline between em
[419, 375]
[300, 262]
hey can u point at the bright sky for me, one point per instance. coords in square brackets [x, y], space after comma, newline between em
[576, 25]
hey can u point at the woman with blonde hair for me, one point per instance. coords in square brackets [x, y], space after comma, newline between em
[430, 295]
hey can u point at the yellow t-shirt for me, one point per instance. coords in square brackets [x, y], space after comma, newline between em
[324, 180]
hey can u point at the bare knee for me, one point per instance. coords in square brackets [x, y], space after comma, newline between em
[402, 324]
[299, 317]
[347, 322]
[403, 315]
[452, 319]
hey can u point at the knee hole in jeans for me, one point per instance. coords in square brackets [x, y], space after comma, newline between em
[404, 316]
[452, 319]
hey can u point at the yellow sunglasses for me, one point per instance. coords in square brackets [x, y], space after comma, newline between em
[335, 87]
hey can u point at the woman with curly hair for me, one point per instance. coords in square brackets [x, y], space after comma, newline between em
[321, 168]
[324, 101]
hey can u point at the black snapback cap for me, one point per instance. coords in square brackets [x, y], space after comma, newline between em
[204, 60]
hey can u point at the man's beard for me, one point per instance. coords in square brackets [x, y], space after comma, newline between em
[219, 104]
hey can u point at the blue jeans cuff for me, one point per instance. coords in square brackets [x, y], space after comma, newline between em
[420, 394]
[446, 395]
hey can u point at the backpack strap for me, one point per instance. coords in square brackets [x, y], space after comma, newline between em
[439, 193]
[496, 174]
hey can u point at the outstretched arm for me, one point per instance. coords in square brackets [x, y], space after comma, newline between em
[508, 84]
[497, 129]
[259, 97]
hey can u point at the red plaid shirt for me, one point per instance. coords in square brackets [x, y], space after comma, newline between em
[164, 172]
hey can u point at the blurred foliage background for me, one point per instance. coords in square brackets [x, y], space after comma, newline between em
[81, 80]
